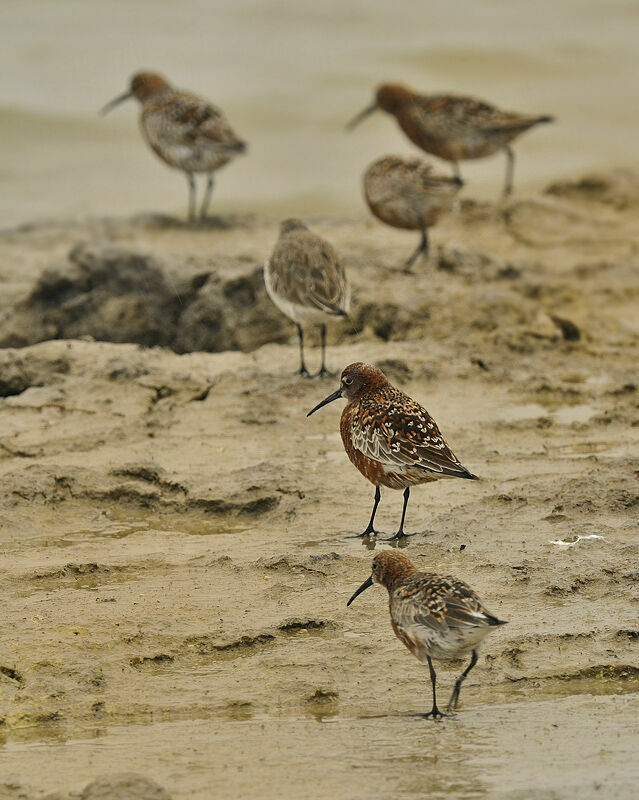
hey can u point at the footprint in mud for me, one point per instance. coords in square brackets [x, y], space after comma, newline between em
[151, 662]
[12, 674]
[296, 625]
[88, 575]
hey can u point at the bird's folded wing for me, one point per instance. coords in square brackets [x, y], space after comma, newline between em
[188, 120]
[308, 273]
[414, 606]
[404, 438]
[437, 604]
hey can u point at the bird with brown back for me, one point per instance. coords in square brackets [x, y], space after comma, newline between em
[453, 128]
[434, 616]
[184, 130]
[409, 194]
[389, 437]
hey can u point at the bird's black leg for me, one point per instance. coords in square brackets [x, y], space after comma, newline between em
[400, 533]
[370, 529]
[510, 170]
[323, 371]
[302, 370]
[422, 249]
[191, 180]
[454, 698]
[210, 181]
[435, 713]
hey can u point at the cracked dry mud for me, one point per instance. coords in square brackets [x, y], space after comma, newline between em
[176, 557]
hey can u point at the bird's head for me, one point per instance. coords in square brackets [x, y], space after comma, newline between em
[356, 381]
[388, 568]
[142, 86]
[389, 97]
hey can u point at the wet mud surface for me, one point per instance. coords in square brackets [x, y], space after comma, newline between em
[176, 548]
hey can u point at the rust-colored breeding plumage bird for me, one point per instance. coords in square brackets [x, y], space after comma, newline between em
[390, 438]
[306, 282]
[453, 128]
[184, 130]
[435, 616]
[407, 193]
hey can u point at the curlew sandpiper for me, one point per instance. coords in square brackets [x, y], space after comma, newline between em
[306, 282]
[407, 193]
[390, 438]
[453, 128]
[434, 616]
[184, 130]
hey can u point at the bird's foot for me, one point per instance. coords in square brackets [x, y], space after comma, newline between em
[303, 372]
[369, 533]
[434, 713]
[325, 373]
[398, 536]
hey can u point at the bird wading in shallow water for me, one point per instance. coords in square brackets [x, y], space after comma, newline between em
[453, 128]
[184, 130]
[434, 616]
[407, 193]
[305, 280]
[390, 438]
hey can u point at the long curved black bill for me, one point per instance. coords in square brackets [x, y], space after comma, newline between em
[335, 396]
[361, 116]
[365, 585]
[110, 106]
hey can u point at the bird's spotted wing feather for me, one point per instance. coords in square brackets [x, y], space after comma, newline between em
[450, 115]
[400, 434]
[438, 604]
[411, 180]
[182, 119]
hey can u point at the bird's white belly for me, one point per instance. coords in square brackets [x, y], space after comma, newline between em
[302, 315]
[447, 645]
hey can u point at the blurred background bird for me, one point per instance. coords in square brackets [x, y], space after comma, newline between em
[452, 128]
[184, 130]
[409, 194]
[305, 280]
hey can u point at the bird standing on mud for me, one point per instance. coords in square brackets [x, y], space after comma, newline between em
[184, 130]
[434, 616]
[408, 194]
[305, 280]
[453, 128]
[390, 438]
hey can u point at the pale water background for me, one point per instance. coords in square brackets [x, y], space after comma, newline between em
[289, 74]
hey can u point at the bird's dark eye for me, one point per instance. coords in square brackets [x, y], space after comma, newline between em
[348, 381]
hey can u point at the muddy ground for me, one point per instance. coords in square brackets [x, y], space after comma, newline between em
[176, 549]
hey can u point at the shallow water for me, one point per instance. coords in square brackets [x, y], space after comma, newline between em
[375, 754]
[289, 77]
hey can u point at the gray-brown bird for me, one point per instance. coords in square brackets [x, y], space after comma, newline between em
[184, 130]
[409, 194]
[453, 128]
[434, 616]
[305, 280]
